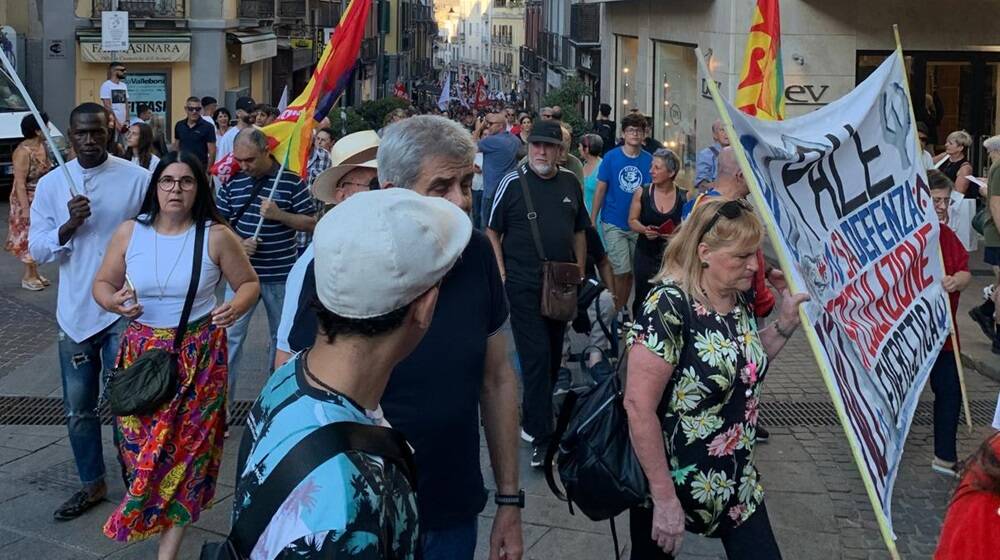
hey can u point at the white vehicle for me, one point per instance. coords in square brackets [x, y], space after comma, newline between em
[12, 109]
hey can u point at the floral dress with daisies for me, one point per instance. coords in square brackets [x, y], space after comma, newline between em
[709, 408]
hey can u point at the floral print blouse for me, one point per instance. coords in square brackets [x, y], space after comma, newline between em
[709, 408]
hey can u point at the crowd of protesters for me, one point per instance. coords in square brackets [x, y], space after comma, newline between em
[391, 272]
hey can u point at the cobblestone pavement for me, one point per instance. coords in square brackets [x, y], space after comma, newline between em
[815, 497]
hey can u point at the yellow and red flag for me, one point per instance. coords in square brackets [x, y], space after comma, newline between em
[761, 91]
[291, 133]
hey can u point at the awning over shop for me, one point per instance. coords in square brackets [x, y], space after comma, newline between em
[254, 46]
[142, 47]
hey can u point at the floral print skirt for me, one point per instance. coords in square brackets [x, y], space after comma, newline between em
[17, 232]
[170, 459]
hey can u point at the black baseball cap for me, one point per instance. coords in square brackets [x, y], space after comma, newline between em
[548, 132]
[245, 103]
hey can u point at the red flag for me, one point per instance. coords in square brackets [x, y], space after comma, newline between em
[481, 99]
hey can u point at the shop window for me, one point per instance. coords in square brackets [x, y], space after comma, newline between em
[675, 98]
[627, 61]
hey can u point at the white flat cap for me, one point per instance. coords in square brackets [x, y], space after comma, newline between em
[378, 251]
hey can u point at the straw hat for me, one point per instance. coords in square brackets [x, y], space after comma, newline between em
[350, 152]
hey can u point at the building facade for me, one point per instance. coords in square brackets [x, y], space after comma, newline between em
[506, 39]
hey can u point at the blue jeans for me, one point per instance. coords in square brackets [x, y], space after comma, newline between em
[273, 295]
[81, 365]
[452, 543]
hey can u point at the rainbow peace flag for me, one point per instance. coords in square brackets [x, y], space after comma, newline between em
[291, 133]
[761, 92]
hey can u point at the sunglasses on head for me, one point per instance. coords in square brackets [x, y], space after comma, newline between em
[730, 210]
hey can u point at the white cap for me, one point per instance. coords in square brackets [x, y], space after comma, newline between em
[379, 250]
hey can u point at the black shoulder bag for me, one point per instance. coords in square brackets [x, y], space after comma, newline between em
[151, 380]
[560, 280]
[312, 451]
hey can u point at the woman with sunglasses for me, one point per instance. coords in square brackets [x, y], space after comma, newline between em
[696, 363]
[171, 457]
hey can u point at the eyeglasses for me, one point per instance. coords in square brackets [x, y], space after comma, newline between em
[633, 130]
[167, 183]
[193, 109]
[730, 210]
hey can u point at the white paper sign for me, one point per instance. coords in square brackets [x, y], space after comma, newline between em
[114, 31]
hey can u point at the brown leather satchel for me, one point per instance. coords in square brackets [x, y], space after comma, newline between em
[560, 280]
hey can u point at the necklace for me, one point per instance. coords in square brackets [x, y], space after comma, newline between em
[156, 261]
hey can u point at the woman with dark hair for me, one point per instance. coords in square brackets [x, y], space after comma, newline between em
[139, 150]
[591, 148]
[31, 161]
[171, 457]
[223, 120]
[970, 526]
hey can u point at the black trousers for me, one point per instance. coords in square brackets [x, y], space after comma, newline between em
[539, 343]
[643, 269]
[753, 540]
[947, 402]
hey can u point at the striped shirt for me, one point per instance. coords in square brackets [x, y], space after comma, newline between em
[276, 246]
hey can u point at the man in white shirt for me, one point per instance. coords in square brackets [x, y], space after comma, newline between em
[72, 225]
[114, 96]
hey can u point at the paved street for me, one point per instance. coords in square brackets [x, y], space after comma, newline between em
[814, 494]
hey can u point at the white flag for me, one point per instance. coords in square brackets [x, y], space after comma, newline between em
[445, 92]
[283, 102]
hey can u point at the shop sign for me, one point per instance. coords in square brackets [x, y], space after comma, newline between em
[705, 92]
[806, 94]
[150, 88]
[300, 43]
[258, 50]
[56, 49]
[114, 31]
[150, 50]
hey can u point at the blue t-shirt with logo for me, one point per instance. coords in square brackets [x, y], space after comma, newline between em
[624, 175]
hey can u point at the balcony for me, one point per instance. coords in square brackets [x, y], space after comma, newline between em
[529, 61]
[567, 59]
[147, 9]
[585, 24]
[292, 9]
[256, 9]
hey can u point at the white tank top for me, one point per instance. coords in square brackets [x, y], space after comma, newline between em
[159, 267]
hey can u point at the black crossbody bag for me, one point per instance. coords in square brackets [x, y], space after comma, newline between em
[312, 451]
[151, 380]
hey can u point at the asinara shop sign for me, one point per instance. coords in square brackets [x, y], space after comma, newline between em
[139, 50]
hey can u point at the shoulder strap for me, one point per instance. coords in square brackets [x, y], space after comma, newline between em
[532, 215]
[312, 451]
[258, 186]
[199, 246]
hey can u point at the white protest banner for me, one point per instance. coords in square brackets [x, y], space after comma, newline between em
[845, 198]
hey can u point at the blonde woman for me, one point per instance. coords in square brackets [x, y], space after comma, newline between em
[958, 166]
[697, 325]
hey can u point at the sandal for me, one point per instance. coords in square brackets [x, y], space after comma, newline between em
[33, 285]
[45, 281]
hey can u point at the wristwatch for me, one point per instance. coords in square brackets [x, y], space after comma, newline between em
[510, 499]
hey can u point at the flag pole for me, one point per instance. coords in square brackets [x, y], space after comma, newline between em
[951, 323]
[814, 343]
[274, 187]
[38, 119]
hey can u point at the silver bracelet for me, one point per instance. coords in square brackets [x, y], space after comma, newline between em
[782, 333]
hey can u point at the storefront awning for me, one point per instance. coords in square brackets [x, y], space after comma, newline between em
[254, 46]
[142, 47]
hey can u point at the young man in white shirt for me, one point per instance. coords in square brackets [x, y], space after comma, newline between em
[72, 225]
[114, 96]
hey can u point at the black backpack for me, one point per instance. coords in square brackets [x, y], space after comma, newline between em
[597, 465]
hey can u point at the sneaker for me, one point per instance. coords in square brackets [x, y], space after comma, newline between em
[564, 381]
[946, 468]
[762, 434]
[526, 437]
[77, 505]
[537, 456]
[984, 321]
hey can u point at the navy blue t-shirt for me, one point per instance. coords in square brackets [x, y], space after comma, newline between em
[195, 139]
[433, 395]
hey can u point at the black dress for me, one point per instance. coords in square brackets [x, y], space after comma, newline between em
[951, 168]
[649, 252]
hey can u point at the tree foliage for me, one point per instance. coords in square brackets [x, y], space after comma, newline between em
[568, 97]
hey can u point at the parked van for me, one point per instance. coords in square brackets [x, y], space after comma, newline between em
[13, 108]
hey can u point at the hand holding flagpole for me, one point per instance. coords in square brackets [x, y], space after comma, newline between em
[12, 73]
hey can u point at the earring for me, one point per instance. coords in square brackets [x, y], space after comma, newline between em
[704, 264]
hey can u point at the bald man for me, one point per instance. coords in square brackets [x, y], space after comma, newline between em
[707, 162]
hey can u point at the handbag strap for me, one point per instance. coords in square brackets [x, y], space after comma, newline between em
[199, 249]
[310, 452]
[532, 215]
[258, 186]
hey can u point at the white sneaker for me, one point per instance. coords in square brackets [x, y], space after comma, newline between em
[527, 438]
